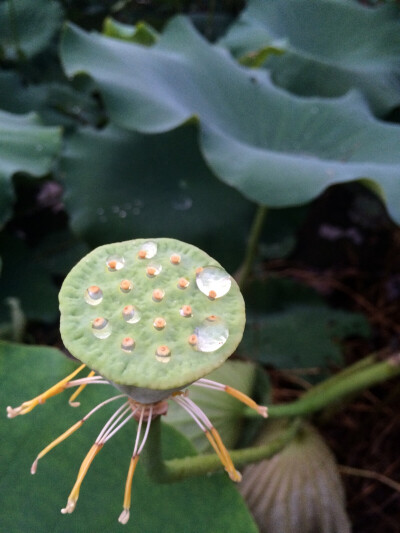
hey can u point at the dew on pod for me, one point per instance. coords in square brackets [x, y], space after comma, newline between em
[147, 250]
[94, 295]
[130, 314]
[153, 270]
[163, 354]
[211, 334]
[115, 262]
[101, 328]
[127, 344]
[213, 281]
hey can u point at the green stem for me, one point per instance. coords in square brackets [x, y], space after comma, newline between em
[179, 469]
[252, 245]
[338, 388]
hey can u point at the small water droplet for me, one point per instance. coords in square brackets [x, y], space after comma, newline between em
[131, 314]
[148, 250]
[126, 285]
[101, 328]
[182, 203]
[153, 270]
[163, 354]
[211, 334]
[93, 295]
[127, 344]
[175, 259]
[115, 262]
[213, 281]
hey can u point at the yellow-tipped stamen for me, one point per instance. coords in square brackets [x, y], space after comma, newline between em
[55, 442]
[74, 495]
[71, 401]
[124, 516]
[233, 473]
[59, 387]
[262, 410]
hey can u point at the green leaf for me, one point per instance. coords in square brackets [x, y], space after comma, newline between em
[224, 411]
[277, 149]
[27, 27]
[120, 185]
[326, 49]
[32, 503]
[25, 146]
[25, 279]
[140, 33]
[293, 328]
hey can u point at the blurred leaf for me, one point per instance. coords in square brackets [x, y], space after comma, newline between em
[277, 149]
[326, 49]
[224, 411]
[202, 504]
[295, 329]
[24, 278]
[141, 33]
[298, 489]
[25, 146]
[257, 58]
[123, 185]
[27, 27]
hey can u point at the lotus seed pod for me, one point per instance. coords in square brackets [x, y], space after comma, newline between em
[151, 315]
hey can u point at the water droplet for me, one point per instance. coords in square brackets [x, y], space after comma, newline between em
[175, 259]
[93, 295]
[101, 328]
[163, 354]
[213, 281]
[211, 334]
[126, 285]
[115, 262]
[183, 283]
[185, 311]
[158, 295]
[182, 203]
[148, 250]
[153, 270]
[131, 314]
[159, 323]
[127, 344]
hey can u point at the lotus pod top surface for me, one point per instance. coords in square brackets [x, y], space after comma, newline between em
[151, 313]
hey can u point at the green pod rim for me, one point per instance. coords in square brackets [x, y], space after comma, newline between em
[152, 313]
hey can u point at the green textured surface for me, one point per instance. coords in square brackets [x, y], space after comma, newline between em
[140, 368]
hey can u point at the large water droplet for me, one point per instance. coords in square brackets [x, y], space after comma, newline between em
[115, 262]
[153, 270]
[93, 295]
[148, 250]
[163, 354]
[213, 281]
[101, 328]
[131, 314]
[211, 334]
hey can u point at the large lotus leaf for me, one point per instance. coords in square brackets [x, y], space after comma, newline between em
[330, 47]
[276, 148]
[27, 27]
[25, 146]
[290, 326]
[224, 411]
[33, 503]
[23, 278]
[121, 185]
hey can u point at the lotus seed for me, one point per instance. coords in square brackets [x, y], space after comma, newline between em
[115, 263]
[163, 354]
[127, 344]
[193, 339]
[183, 283]
[153, 270]
[130, 314]
[159, 323]
[101, 328]
[93, 295]
[186, 311]
[126, 285]
[158, 295]
[175, 259]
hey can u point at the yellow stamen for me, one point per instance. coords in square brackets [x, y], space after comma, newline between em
[55, 442]
[59, 387]
[124, 517]
[78, 391]
[263, 411]
[227, 462]
[74, 495]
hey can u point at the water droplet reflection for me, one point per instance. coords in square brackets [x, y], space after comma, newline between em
[131, 314]
[213, 281]
[101, 328]
[94, 295]
[211, 334]
[115, 262]
[148, 250]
